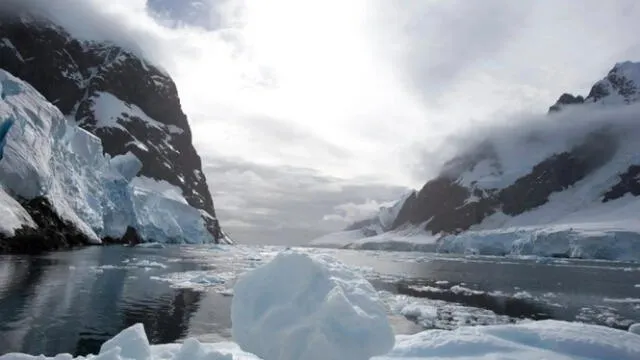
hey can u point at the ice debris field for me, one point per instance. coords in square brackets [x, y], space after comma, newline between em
[312, 307]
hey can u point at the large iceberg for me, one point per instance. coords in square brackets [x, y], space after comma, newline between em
[313, 308]
[47, 155]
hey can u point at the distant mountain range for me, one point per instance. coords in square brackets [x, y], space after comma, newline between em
[582, 173]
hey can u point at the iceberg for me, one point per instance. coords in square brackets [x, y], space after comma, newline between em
[300, 306]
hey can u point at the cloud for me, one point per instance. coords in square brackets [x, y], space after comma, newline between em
[350, 212]
[454, 36]
[287, 205]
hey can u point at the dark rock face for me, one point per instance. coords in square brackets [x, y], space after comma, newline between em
[445, 205]
[53, 233]
[629, 184]
[79, 77]
[557, 173]
[448, 207]
[566, 99]
[597, 92]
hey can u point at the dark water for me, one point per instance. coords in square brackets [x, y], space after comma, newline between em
[74, 301]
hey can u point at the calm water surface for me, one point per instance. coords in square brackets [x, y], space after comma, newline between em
[74, 301]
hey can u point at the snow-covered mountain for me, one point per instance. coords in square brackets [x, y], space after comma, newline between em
[565, 186]
[96, 114]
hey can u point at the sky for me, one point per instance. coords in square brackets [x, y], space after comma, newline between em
[311, 114]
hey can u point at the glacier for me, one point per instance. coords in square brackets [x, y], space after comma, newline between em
[48, 155]
[336, 314]
[164, 215]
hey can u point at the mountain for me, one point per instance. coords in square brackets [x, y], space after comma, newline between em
[129, 105]
[560, 179]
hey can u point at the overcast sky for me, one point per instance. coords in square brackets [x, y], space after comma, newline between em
[310, 114]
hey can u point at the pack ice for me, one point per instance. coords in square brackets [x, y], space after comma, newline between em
[45, 154]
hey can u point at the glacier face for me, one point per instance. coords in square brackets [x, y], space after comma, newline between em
[44, 156]
[48, 155]
[164, 215]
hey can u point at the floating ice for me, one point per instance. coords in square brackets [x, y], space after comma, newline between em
[547, 339]
[303, 307]
[132, 344]
[144, 263]
[300, 306]
[151, 245]
[199, 280]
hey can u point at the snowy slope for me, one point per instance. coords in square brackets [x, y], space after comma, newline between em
[563, 184]
[387, 215]
[46, 155]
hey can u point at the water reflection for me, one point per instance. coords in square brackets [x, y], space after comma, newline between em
[67, 302]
